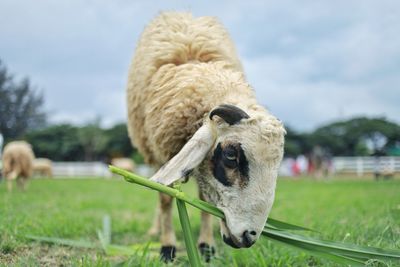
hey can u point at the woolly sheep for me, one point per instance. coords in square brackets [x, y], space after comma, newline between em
[191, 111]
[124, 163]
[43, 166]
[17, 163]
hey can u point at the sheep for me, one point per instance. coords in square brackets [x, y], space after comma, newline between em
[191, 113]
[124, 163]
[17, 163]
[43, 166]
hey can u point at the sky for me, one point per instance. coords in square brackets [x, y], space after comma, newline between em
[310, 62]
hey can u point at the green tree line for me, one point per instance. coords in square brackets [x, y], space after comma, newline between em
[355, 137]
[22, 117]
[359, 136]
[66, 142]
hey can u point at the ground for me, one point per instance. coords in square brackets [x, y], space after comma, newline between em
[358, 211]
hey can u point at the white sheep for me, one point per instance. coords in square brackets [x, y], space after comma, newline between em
[124, 163]
[43, 167]
[191, 111]
[17, 163]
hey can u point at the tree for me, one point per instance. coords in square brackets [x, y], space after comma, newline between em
[20, 106]
[357, 137]
[93, 140]
[293, 143]
[119, 144]
[57, 142]
[90, 142]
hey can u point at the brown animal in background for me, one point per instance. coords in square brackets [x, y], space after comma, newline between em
[43, 167]
[17, 163]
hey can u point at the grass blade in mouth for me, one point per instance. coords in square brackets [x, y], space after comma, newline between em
[200, 204]
[191, 248]
[279, 231]
[324, 246]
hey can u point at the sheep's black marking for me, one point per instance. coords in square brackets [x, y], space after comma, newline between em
[230, 151]
[220, 161]
[167, 253]
[186, 173]
[229, 113]
[229, 241]
[243, 165]
[218, 166]
[206, 251]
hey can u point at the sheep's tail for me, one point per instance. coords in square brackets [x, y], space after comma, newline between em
[13, 175]
[11, 168]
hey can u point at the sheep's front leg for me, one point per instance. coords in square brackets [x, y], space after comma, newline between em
[206, 238]
[155, 227]
[168, 239]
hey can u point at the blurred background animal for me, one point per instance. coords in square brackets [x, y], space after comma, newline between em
[17, 163]
[124, 163]
[43, 167]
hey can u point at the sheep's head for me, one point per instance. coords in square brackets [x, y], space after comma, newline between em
[235, 158]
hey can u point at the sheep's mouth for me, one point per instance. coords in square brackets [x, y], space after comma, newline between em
[230, 239]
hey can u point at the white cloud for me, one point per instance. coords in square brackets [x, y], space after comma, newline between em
[310, 62]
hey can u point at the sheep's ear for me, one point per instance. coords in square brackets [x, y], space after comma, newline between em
[229, 113]
[190, 156]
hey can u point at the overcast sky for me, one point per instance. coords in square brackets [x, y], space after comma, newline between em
[310, 62]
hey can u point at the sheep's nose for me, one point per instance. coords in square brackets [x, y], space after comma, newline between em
[249, 238]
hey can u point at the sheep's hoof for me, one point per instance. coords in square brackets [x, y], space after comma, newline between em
[206, 251]
[167, 253]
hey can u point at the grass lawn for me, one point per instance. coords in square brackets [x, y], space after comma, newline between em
[361, 212]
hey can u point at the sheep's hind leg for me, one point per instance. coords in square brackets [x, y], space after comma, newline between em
[206, 238]
[168, 239]
[9, 185]
[21, 182]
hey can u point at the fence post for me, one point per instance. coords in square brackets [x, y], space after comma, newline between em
[392, 165]
[360, 167]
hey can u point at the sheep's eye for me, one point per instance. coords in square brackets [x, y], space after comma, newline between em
[229, 157]
[230, 153]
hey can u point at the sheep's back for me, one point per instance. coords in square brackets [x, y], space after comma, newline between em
[165, 105]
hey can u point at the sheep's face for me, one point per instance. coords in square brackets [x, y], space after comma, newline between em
[235, 159]
[239, 176]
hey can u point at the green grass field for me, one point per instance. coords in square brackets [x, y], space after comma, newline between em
[361, 212]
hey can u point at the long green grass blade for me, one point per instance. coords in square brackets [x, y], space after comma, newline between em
[279, 225]
[191, 248]
[278, 230]
[349, 250]
[200, 204]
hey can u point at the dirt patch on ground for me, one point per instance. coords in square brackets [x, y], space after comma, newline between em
[46, 255]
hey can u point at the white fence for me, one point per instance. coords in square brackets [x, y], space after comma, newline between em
[91, 169]
[366, 165]
[350, 165]
[80, 169]
[356, 165]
